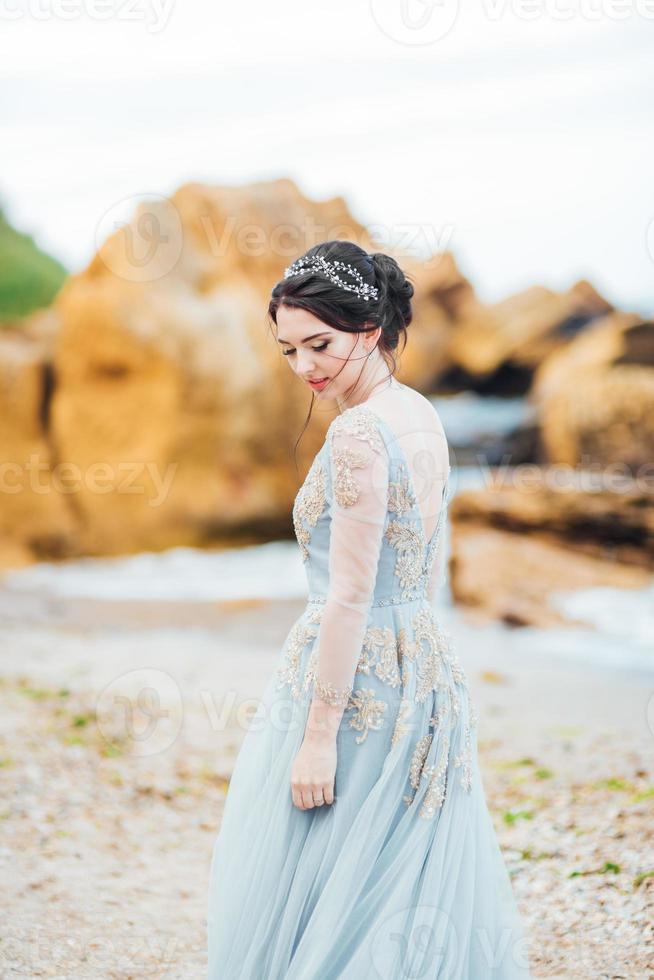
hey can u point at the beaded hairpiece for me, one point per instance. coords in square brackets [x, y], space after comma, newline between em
[317, 263]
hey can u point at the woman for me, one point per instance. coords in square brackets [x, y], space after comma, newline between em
[356, 841]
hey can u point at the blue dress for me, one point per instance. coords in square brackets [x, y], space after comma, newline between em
[401, 876]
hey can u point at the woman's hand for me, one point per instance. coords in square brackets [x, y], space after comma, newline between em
[314, 769]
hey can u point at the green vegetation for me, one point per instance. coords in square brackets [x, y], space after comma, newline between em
[29, 279]
[608, 866]
[647, 794]
[510, 816]
[620, 785]
[510, 764]
[528, 855]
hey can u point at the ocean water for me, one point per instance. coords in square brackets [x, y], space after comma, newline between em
[266, 571]
[469, 418]
[620, 622]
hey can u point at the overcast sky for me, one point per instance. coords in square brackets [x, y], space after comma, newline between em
[519, 134]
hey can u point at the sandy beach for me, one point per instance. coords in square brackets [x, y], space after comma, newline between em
[108, 817]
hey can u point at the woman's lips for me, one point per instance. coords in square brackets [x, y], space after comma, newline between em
[319, 385]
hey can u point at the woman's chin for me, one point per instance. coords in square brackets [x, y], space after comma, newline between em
[322, 392]
[327, 394]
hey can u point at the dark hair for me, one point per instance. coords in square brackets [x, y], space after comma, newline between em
[345, 310]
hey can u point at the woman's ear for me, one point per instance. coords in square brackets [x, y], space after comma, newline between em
[372, 336]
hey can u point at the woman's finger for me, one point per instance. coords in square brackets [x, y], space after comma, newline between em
[297, 798]
[307, 799]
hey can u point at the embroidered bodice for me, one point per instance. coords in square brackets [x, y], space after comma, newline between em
[361, 533]
[370, 488]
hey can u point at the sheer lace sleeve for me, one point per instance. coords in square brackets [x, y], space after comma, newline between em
[438, 574]
[359, 468]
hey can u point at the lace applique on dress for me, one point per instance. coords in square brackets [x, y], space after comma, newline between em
[420, 753]
[408, 541]
[337, 696]
[361, 422]
[379, 654]
[346, 489]
[464, 760]
[407, 651]
[416, 555]
[358, 514]
[435, 774]
[303, 632]
[368, 712]
[403, 714]
[401, 499]
[429, 660]
[309, 505]
[409, 664]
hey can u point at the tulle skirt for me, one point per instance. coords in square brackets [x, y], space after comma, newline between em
[384, 882]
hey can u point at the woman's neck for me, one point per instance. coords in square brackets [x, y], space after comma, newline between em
[368, 389]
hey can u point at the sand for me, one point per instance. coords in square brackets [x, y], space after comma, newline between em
[106, 839]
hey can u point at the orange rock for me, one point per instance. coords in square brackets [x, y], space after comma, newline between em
[154, 394]
[171, 416]
[595, 398]
[34, 514]
[511, 548]
[521, 330]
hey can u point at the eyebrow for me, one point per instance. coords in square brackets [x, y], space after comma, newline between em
[323, 333]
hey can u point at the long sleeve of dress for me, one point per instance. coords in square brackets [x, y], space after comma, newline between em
[437, 575]
[438, 572]
[359, 469]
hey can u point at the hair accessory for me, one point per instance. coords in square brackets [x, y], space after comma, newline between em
[316, 263]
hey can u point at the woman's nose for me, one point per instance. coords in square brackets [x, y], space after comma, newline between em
[305, 362]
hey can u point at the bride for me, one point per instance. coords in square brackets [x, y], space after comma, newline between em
[356, 840]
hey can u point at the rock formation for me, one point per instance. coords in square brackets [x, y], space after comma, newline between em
[153, 405]
[160, 402]
[595, 397]
[498, 347]
[512, 546]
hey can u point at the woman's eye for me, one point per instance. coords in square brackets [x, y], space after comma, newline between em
[291, 350]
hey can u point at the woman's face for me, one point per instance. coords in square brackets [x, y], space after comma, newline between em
[329, 361]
